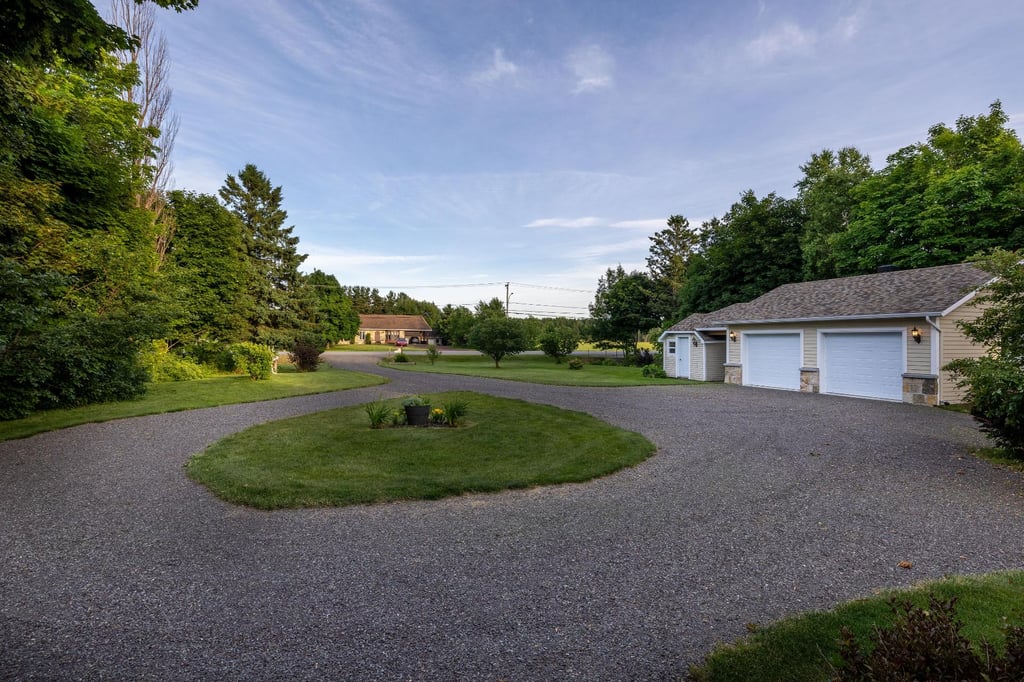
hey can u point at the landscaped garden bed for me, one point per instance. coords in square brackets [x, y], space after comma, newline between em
[336, 458]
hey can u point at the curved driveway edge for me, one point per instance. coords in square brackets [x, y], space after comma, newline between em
[758, 504]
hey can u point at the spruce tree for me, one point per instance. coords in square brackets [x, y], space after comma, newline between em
[275, 285]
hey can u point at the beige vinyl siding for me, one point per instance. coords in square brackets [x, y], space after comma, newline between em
[956, 345]
[696, 362]
[668, 360]
[715, 362]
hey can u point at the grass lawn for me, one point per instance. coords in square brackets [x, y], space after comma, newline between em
[334, 458]
[537, 369]
[189, 395]
[805, 647]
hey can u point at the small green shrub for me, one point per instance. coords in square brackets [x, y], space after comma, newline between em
[926, 644]
[455, 411]
[253, 359]
[575, 363]
[164, 365]
[654, 372]
[415, 401]
[398, 417]
[401, 357]
[379, 413]
[608, 362]
[433, 353]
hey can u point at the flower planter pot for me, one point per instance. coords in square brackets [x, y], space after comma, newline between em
[417, 415]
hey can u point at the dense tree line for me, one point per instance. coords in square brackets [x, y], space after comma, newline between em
[957, 194]
[100, 265]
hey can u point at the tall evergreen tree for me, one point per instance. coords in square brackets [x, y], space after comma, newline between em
[275, 284]
[670, 253]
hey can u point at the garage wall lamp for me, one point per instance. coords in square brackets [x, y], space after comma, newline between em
[732, 336]
[695, 344]
[916, 334]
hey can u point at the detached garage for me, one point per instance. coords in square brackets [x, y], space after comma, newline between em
[884, 336]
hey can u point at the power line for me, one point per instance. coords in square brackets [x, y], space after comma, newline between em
[484, 284]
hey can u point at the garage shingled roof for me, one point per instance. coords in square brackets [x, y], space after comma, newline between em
[922, 291]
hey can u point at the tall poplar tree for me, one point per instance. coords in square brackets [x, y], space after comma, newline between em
[279, 301]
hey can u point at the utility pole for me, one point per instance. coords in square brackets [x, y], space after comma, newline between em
[507, 297]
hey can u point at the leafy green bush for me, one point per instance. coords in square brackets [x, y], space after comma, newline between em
[927, 644]
[164, 365]
[654, 372]
[401, 357]
[253, 359]
[995, 390]
[575, 363]
[559, 341]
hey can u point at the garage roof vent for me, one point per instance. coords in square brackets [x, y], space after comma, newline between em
[887, 268]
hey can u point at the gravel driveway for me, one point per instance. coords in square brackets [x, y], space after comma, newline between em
[758, 504]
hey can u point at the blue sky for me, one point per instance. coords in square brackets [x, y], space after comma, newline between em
[423, 145]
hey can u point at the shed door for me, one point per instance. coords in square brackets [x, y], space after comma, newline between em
[772, 360]
[865, 364]
[683, 357]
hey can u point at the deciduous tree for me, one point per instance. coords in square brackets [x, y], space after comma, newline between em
[941, 201]
[499, 338]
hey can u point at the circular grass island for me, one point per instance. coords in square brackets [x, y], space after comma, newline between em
[334, 458]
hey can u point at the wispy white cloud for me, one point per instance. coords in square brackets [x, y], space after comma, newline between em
[572, 223]
[785, 39]
[849, 26]
[500, 68]
[332, 258]
[653, 224]
[592, 68]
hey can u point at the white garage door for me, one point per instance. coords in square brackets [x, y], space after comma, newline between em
[772, 360]
[683, 357]
[866, 364]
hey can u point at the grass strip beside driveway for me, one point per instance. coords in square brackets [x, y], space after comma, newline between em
[534, 369]
[806, 647]
[189, 395]
[334, 458]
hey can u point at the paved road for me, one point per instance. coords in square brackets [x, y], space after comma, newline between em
[758, 504]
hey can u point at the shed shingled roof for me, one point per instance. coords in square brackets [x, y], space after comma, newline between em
[394, 322]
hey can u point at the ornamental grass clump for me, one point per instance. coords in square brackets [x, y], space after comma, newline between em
[454, 412]
[379, 413]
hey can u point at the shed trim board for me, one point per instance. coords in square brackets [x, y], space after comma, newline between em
[865, 362]
[772, 358]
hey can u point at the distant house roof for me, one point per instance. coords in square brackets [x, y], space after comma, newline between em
[406, 323]
[899, 293]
